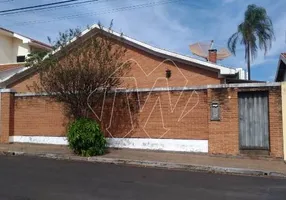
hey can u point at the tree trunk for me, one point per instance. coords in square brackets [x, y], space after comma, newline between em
[248, 62]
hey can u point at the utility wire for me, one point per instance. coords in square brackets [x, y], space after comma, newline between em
[50, 7]
[38, 6]
[107, 11]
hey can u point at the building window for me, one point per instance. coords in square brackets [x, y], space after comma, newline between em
[21, 59]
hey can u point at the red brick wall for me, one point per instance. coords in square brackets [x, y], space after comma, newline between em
[38, 115]
[275, 122]
[155, 69]
[157, 119]
[6, 116]
[26, 84]
[224, 134]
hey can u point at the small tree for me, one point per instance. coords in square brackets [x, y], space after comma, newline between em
[77, 68]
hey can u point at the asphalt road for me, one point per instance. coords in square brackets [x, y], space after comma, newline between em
[27, 178]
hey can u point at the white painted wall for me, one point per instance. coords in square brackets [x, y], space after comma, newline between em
[199, 146]
[10, 48]
[19, 48]
[39, 140]
[160, 144]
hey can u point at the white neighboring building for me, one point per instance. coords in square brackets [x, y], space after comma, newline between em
[14, 48]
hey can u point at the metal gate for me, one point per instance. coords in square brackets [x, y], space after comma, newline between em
[253, 120]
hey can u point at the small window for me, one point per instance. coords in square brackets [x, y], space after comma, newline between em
[21, 59]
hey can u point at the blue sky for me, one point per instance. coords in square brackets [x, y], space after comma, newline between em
[172, 26]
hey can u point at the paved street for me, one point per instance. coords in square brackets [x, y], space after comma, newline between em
[26, 178]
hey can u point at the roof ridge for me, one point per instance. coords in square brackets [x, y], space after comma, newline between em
[167, 50]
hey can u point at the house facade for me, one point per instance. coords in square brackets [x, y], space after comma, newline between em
[14, 50]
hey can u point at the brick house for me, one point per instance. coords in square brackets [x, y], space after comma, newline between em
[149, 65]
[204, 108]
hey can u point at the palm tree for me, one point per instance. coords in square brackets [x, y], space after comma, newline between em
[255, 31]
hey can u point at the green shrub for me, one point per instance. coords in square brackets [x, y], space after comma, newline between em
[85, 138]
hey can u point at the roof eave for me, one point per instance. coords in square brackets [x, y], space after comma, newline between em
[39, 45]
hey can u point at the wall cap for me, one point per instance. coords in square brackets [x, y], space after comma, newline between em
[27, 94]
[170, 89]
[7, 91]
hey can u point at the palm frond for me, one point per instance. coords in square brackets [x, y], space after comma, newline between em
[232, 41]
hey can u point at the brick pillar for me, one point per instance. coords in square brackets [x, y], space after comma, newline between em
[6, 114]
[276, 120]
[224, 133]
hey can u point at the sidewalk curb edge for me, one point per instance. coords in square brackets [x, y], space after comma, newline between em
[153, 164]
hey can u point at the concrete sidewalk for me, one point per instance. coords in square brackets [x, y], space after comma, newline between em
[170, 160]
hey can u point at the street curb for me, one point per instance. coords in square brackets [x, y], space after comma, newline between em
[153, 164]
[188, 167]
